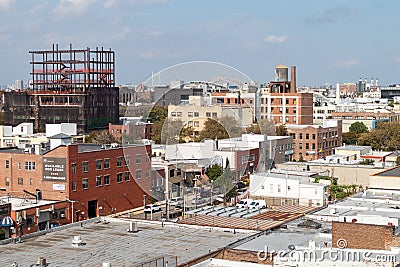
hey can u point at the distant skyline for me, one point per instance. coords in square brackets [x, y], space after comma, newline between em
[328, 41]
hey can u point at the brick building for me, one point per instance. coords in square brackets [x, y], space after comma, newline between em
[135, 131]
[100, 180]
[281, 102]
[315, 141]
[364, 236]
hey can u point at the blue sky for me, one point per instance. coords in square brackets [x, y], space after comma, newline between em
[328, 41]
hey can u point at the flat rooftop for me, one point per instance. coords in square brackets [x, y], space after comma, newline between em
[112, 243]
[24, 203]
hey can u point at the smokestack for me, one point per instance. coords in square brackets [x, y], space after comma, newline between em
[293, 80]
[337, 93]
[376, 82]
[372, 82]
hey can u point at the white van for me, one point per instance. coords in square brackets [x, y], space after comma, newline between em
[258, 204]
[244, 203]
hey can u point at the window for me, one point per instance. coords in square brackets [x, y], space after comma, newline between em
[73, 168]
[119, 162]
[300, 145]
[138, 159]
[98, 180]
[171, 173]
[106, 163]
[58, 214]
[196, 124]
[147, 173]
[30, 165]
[196, 114]
[99, 164]
[316, 192]
[128, 160]
[139, 174]
[280, 119]
[119, 177]
[244, 159]
[190, 114]
[20, 181]
[173, 114]
[262, 187]
[179, 114]
[30, 220]
[294, 110]
[288, 188]
[279, 188]
[7, 164]
[214, 114]
[85, 166]
[19, 165]
[313, 136]
[251, 101]
[307, 146]
[85, 183]
[307, 136]
[106, 179]
[7, 181]
[208, 114]
[300, 136]
[127, 176]
[73, 186]
[294, 119]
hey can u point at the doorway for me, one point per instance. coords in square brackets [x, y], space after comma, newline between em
[92, 209]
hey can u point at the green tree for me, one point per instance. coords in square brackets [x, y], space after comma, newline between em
[225, 127]
[384, 137]
[281, 130]
[301, 159]
[225, 182]
[157, 113]
[103, 137]
[214, 172]
[350, 138]
[358, 127]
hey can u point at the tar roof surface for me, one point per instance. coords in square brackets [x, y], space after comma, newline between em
[112, 243]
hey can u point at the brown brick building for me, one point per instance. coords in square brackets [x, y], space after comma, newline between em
[99, 180]
[134, 131]
[315, 141]
[364, 236]
[281, 102]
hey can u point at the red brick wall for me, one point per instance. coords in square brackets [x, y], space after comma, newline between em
[362, 236]
[117, 196]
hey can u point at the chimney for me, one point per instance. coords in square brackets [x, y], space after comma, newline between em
[293, 79]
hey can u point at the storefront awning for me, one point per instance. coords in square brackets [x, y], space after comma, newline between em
[6, 221]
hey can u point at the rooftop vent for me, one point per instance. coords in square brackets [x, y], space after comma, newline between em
[309, 224]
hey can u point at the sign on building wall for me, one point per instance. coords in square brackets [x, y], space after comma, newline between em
[54, 169]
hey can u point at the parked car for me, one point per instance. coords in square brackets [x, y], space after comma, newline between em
[176, 201]
[258, 204]
[198, 200]
[244, 203]
[152, 208]
[205, 193]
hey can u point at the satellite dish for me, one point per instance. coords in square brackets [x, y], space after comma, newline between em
[291, 247]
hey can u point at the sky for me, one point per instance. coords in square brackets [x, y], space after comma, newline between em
[328, 41]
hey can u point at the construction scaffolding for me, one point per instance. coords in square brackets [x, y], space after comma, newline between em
[73, 85]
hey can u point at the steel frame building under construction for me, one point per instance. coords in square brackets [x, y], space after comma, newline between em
[76, 86]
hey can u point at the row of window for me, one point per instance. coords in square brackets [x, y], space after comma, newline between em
[313, 136]
[247, 158]
[29, 165]
[105, 163]
[321, 145]
[192, 114]
[275, 110]
[288, 101]
[106, 180]
[193, 123]
[20, 181]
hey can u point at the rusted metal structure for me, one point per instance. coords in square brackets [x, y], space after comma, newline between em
[71, 85]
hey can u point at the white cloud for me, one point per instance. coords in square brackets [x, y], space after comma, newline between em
[275, 39]
[72, 7]
[109, 3]
[6, 5]
[149, 54]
